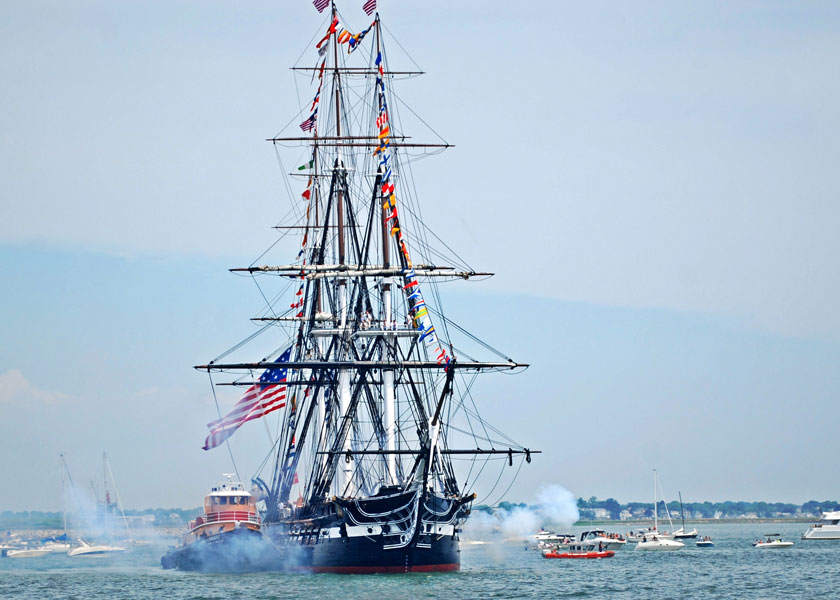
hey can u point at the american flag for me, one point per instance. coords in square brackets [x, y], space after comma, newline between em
[309, 124]
[265, 396]
[369, 7]
[322, 4]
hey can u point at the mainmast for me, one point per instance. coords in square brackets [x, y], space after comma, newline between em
[339, 176]
[389, 408]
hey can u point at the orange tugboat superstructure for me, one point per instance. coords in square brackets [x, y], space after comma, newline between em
[227, 507]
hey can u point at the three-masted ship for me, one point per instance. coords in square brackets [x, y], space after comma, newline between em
[362, 476]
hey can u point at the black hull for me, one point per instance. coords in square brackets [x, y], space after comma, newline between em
[237, 551]
[362, 555]
[400, 533]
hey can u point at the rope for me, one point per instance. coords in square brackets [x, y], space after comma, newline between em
[219, 412]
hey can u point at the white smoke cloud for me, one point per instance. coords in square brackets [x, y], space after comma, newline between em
[555, 507]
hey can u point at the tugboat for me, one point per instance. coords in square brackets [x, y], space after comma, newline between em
[227, 538]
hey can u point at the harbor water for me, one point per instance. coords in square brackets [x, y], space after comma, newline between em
[732, 569]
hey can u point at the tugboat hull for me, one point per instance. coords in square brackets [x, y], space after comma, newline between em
[238, 551]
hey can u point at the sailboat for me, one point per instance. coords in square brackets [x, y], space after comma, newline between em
[681, 533]
[652, 539]
[362, 474]
[99, 523]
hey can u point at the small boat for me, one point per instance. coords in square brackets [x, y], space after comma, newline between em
[610, 541]
[56, 547]
[86, 549]
[588, 550]
[656, 540]
[681, 533]
[648, 532]
[27, 553]
[227, 538]
[544, 537]
[659, 543]
[705, 542]
[827, 528]
[772, 541]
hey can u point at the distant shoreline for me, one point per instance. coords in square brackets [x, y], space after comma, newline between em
[168, 530]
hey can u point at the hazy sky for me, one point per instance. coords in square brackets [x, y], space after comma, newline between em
[655, 184]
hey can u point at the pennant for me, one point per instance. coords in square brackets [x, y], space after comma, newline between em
[355, 40]
[308, 165]
[332, 29]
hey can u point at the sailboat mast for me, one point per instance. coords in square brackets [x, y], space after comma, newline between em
[682, 515]
[655, 523]
[105, 480]
[63, 505]
[389, 409]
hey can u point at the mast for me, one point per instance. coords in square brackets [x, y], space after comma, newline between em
[63, 505]
[105, 482]
[389, 408]
[117, 493]
[346, 472]
[682, 516]
[655, 521]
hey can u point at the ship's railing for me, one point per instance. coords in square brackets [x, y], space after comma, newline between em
[228, 515]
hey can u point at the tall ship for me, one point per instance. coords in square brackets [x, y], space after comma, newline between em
[377, 442]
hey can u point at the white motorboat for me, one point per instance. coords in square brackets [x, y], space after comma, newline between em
[772, 541]
[94, 549]
[827, 528]
[658, 541]
[27, 553]
[637, 536]
[56, 547]
[705, 542]
[544, 537]
[607, 541]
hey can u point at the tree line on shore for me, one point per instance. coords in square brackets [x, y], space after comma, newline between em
[593, 508]
[35, 519]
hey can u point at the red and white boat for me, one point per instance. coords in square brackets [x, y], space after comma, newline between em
[579, 551]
